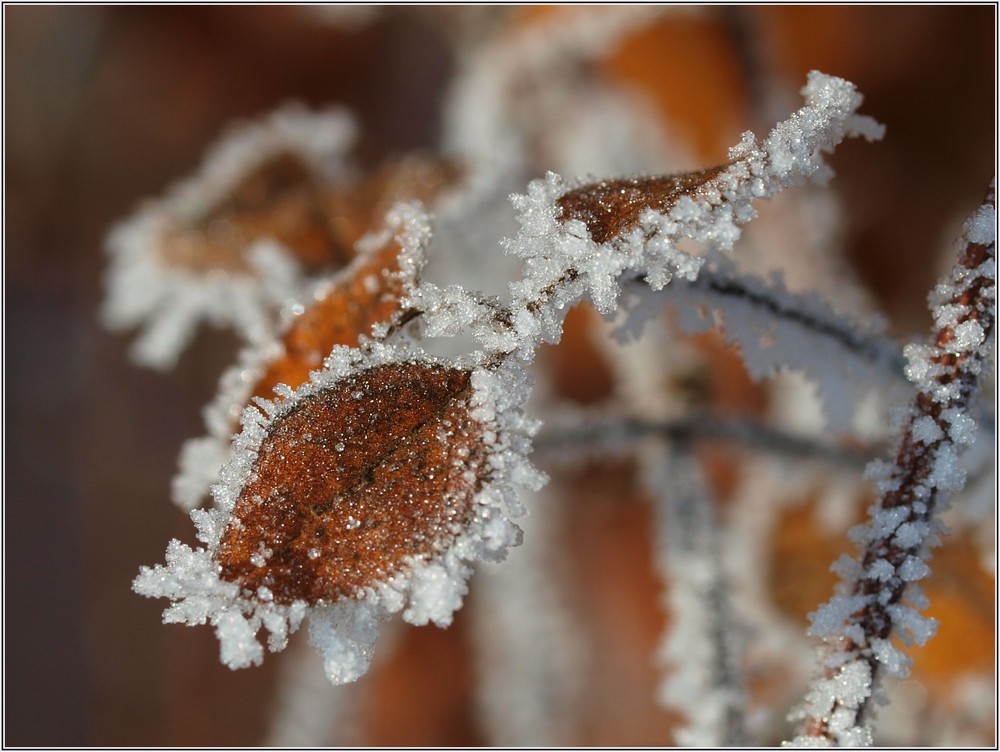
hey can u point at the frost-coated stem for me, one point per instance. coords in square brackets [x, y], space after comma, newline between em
[876, 599]
[699, 648]
[531, 654]
[846, 334]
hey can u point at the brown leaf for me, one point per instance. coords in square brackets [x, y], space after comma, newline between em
[355, 479]
[349, 309]
[612, 207]
[281, 199]
[372, 294]
[317, 223]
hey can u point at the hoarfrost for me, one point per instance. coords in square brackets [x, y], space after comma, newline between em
[776, 330]
[344, 635]
[913, 491]
[700, 649]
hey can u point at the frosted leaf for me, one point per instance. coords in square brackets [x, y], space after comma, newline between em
[579, 238]
[187, 258]
[389, 457]
[366, 297]
[371, 414]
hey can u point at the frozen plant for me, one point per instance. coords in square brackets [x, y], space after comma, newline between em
[372, 447]
[878, 598]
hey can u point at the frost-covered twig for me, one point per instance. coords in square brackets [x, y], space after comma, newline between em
[877, 599]
[700, 648]
[531, 653]
[805, 311]
[775, 329]
[581, 238]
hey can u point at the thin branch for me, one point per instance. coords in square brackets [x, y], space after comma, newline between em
[842, 332]
[700, 648]
[590, 431]
[722, 281]
[874, 601]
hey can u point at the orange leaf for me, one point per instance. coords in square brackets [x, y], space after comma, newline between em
[354, 480]
[281, 199]
[350, 308]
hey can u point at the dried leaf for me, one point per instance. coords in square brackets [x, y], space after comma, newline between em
[354, 480]
[318, 224]
[612, 207]
[350, 308]
[281, 199]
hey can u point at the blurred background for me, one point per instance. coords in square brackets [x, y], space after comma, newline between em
[107, 106]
